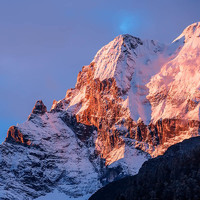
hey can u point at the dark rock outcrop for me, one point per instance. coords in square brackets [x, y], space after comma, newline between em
[14, 135]
[39, 108]
[84, 132]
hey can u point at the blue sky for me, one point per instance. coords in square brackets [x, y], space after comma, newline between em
[45, 43]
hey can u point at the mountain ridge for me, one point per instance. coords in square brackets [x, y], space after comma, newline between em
[131, 103]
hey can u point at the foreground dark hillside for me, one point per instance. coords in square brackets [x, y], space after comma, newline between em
[175, 175]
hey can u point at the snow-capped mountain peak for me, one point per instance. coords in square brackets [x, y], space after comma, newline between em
[118, 58]
[135, 99]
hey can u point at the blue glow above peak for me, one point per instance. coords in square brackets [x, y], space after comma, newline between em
[128, 23]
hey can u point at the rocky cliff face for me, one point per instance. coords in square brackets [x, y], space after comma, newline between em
[135, 99]
[142, 90]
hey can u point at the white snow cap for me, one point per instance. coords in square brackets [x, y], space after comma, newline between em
[118, 58]
[192, 32]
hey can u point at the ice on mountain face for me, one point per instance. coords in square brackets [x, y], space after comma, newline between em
[146, 66]
[177, 84]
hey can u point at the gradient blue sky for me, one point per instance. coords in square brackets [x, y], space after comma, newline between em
[45, 43]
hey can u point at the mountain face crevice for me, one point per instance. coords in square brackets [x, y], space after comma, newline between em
[132, 102]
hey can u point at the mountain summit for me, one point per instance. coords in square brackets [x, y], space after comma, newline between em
[136, 99]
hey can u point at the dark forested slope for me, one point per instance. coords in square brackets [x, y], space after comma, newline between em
[175, 175]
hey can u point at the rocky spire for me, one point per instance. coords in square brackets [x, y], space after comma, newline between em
[39, 108]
